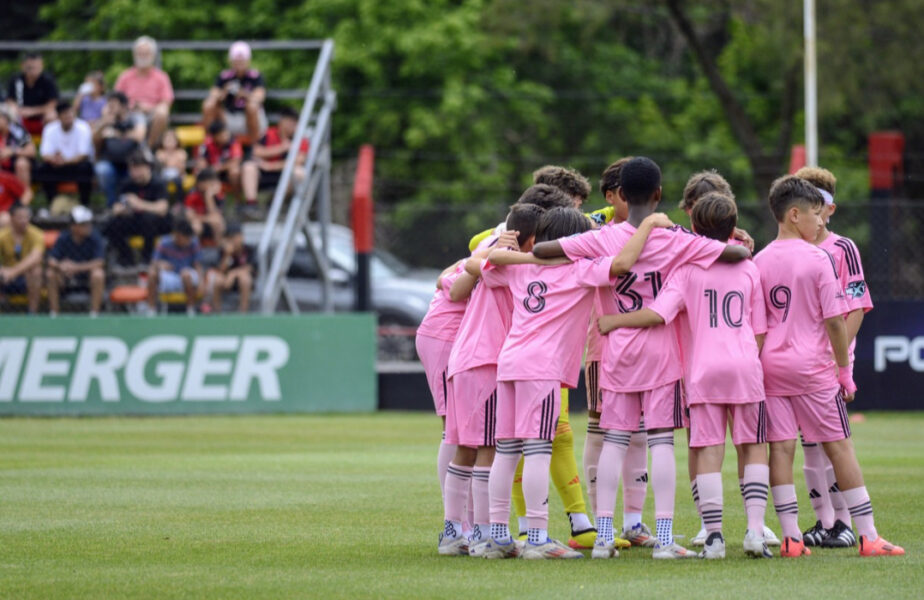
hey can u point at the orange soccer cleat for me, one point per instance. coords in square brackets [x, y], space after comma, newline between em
[879, 547]
[793, 548]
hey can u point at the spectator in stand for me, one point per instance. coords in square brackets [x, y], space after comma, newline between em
[11, 192]
[66, 149]
[222, 153]
[204, 206]
[91, 97]
[22, 246]
[75, 262]
[237, 96]
[117, 138]
[142, 209]
[269, 158]
[234, 272]
[16, 152]
[149, 91]
[32, 94]
[172, 158]
[177, 267]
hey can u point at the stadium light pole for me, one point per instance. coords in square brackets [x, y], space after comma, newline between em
[811, 85]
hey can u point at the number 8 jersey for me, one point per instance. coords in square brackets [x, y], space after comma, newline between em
[801, 290]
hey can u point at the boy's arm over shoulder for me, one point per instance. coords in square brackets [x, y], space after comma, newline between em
[670, 301]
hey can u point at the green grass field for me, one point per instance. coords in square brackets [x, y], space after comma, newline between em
[348, 506]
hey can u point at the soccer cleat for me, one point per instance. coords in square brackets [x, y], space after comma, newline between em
[770, 537]
[604, 551]
[793, 548]
[583, 540]
[839, 536]
[714, 547]
[673, 551]
[639, 535]
[815, 536]
[491, 548]
[551, 549]
[700, 538]
[879, 547]
[457, 546]
[755, 546]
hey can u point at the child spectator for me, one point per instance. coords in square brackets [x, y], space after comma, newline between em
[234, 272]
[32, 94]
[117, 138]
[149, 91]
[66, 149]
[75, 262]
[176, 267]
[91, 97]
[143, 209]
[221, 152]
[204, 206]
[22, 246]
[172, 158]
[16, 152]
[237, 96]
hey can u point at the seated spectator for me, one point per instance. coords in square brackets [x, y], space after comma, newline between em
[11, 192]
[234, 272]
[177, 267]
[16, 152]
[117, 138]
[91, 97]
[222, 153]
[172, 159]
[22, 246]
[142, 209]
[149, 91]
[32, 94]
[75, 262]
[237, 96]
[66, 149]
[269, 157]
[204, 206]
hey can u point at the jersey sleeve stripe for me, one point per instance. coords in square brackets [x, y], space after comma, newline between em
[851, 254]
[833, 264]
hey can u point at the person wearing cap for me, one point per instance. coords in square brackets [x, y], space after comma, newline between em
[237, 96]
[22, 246]
[116, 137]
[143, 209]
[148, 88]
[75, 262]
[32, 94]
[66, 149]
[16, 151]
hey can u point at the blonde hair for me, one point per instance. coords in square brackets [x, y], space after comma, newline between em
[821, 178]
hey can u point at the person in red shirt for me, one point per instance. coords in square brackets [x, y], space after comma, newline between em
[16, 152]
[204, 206]
[11, 191]
[264, 171]
[222, 153]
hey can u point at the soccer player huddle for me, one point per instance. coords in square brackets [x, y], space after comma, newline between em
[676, 329]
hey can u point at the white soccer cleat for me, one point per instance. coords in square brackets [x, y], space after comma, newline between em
[551, 549]
[639, 535]
[604, 550]
[714, 548]
[673, 551]
[755, 546]
[700, 538]
[770, 537]
[457, 546]
[494, 549]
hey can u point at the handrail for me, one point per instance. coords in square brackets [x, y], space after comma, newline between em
[69, 46]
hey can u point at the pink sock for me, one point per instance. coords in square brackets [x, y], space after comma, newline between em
[481, 499]
[663, 473]
[615, 444]
[787, 509]
[456, 489]
[635, 474]
[710, 500]
[593, 445]
[443, 458]
[841, 511]
[862, 511]
[815, 481]
[500, 483]
[754, 489]
[537, 456]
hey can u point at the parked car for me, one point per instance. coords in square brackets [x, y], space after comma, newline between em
[400, 294]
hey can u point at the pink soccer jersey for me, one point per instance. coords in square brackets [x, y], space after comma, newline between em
[724, 308]
[641, 359]
[850, 273]
[483, 328]
[594, 340]
[551, 306]
[801, 290]
[444, 316]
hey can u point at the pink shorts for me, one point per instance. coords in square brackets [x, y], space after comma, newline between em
[592, 383]
[709, 421]
[662, 407]
[472, 409]
[528, 410]
[821, 416]
[434, 355]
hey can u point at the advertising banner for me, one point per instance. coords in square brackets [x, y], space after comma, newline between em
[180, 365]
[889, 371]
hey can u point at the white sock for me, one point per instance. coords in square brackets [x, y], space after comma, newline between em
[605, 529]
[579, 522]
[452, 529]
[523, 524]
[630, 520]
[537, 536]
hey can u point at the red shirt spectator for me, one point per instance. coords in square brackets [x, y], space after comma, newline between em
[216, 153]
[195, 200]
[11, 189]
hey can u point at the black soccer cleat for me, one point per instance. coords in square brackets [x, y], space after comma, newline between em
[815, 536]
[840, 536]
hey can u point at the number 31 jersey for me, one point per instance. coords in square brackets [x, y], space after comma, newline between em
[636, 360]
[551, 307]
[801, 290]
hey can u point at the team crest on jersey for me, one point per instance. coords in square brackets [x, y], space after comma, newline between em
[856, 289]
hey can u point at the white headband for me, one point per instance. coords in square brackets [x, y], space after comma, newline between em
[829, 199]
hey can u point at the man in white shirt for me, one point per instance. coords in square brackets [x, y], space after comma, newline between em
[67, 152]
